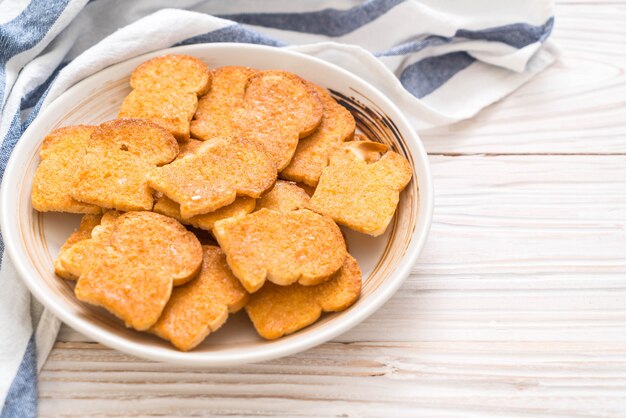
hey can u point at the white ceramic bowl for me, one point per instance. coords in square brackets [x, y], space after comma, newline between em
[33, 239]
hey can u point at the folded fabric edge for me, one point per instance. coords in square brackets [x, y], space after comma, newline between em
[502, 82]
[45, 336]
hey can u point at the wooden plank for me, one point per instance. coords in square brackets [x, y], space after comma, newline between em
[576, 106]
[437, 379]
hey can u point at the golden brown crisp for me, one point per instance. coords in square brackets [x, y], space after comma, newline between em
[119, 155]
[170, 109]
[214, 175]
[284, 196]
[361, 186]
[240, 207]
[87, 224]
[313, 152]
[61, 150]
[278, 109]
[214, 116]
[75, 259]
[280, 310]
[282, 247]
[202, 306]
[166, 90]
[133, 274]
[172, 72]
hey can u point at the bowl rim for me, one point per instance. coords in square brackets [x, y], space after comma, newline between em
[230, 357]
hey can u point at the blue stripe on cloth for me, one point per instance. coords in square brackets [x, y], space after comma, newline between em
[517, 35]
[26, 31]
[42, 95]
[21, 400]
[13, 134]
[425, 76]
[329, 22]
[31, 98]
[233, 33]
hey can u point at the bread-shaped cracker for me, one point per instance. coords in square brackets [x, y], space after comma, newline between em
[285, 196]
[214, 175]
[74, 259]
[202, 306]
[280, 310]
[172, 72]
[166, 206]
[170, 109]
[166, 90]
[61, 150]
[216, 109]
[278, 109]
[361, 186]
[240, 207]
[87, 224]
[282, 247]
[313, 152]
[119, 155]
[134, 272]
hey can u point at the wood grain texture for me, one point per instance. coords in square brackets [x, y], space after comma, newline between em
[391, 379]
[517, 307]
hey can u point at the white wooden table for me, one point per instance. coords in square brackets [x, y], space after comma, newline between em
[516, 308]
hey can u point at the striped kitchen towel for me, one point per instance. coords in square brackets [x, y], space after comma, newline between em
[440, 61]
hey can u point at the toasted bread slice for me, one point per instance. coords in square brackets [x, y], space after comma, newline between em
[313, 152]
[75, 259]
[278, 109]
[216, 110]
[282, 247]
[87, 224]
[214, 175]
[285, 196]
[361, 186]
[280, 310]
[240, 207]
[133, 274]
[166, 90]
[119, 155]
[202, 306]
[61, 150]
[171, 109]
[172, 72]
